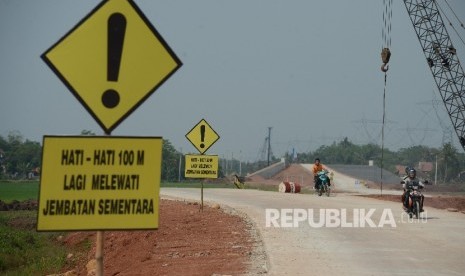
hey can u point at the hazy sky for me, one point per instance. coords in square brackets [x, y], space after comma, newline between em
[308, 69]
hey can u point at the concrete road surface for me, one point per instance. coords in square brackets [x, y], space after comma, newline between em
[350, 184]
[351, 236]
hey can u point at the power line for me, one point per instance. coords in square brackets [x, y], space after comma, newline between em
[450, 23]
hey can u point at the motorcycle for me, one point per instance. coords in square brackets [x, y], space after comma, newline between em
[323, 185]
[414, 201]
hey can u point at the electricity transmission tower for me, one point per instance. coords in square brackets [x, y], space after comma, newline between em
[265, 150]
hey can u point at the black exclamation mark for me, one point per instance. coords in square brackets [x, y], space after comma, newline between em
[202, 135]
[116, 31]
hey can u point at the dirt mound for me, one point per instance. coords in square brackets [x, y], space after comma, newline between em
[293, 173]
[188, 242]
[16, 205]
[297, 173]
[439, 202]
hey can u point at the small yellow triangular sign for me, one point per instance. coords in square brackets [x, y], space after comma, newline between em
[202, 136]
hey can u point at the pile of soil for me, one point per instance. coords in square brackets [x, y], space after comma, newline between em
[453, 203]
[214, 241]
[18, 205]
[295, 172]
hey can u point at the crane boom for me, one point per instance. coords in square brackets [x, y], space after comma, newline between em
[442, 59]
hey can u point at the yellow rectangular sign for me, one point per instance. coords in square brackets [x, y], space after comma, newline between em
[201, 166]
[99, 183]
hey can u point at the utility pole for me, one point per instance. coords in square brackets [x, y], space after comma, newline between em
[179, 169]
[240, 163]
[269, 144]
[232, 162]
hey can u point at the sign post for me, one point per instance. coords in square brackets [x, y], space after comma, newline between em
[202, 137]
[111, 61]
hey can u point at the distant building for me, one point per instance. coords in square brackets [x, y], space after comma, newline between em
[425, 167]
[400, 170]
[423, 170]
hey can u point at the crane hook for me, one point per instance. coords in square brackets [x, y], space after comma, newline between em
[385, 56]
[384, 67]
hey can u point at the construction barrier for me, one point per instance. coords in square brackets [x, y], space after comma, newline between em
[289, 187]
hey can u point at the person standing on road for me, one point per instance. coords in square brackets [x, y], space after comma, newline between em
[318, 167]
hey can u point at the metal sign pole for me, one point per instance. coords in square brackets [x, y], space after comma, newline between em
[201, 196]
[99, 254]
[99, 246]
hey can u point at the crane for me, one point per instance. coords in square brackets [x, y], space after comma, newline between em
[441, 57]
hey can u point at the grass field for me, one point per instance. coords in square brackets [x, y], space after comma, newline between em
[25, 190]
[19, 190]
[24, 251]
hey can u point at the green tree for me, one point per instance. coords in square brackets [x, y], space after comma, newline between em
[411, 156]
[19, 156]
[86, 132]
[3, 148]
[170, 163]
[449, 165]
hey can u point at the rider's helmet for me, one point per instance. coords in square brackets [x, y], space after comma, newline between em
[407, 169]
[412, 173]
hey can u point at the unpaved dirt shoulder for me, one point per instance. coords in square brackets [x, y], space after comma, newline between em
[215, 241]
[258, 262]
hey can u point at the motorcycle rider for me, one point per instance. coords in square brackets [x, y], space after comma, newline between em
[407, 183]
[318, 167]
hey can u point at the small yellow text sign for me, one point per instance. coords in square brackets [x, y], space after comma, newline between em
[201, 166]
